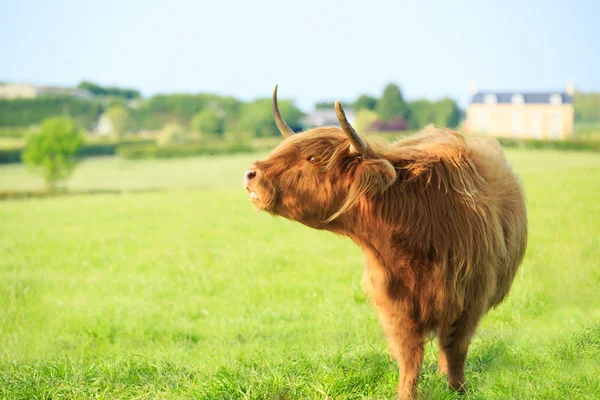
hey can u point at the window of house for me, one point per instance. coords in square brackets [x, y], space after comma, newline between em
[555, 126]
[537, 125]
[481, 121]
[517, 124]
[518, 99]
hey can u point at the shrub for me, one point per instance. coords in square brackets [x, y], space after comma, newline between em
[395, 124]
[208, 121]
[53, 149]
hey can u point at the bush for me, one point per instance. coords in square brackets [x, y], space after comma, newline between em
[10, 156]
[587, 131]
[53, 149]
[395, 124]
[171, 133]
[182, 150]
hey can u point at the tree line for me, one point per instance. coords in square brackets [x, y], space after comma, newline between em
[214, 114]
[203, 112]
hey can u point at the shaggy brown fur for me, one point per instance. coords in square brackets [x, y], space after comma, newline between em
[441, 219]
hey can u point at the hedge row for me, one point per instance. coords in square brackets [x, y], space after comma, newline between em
[13, 155]
[12, 132]
[586, 145]
[10, 156]
[182, 150]
[25, 194]
[144, 149]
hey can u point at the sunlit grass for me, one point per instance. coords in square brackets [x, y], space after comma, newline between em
[191, 294]
[118, 174]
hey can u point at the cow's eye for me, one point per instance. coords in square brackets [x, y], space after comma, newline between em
[312, 160]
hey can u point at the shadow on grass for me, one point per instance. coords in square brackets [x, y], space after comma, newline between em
[350, 375]
[497, 367]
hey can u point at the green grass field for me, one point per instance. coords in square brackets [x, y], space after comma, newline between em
[192, 294]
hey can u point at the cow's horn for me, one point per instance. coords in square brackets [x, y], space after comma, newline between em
[285, 130]
[358, 144]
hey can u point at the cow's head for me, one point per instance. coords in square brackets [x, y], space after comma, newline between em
[316, 176]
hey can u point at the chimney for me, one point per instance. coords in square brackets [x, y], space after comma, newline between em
[474, 88]
[570, 88]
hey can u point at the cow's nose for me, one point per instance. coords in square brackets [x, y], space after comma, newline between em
[248, 176]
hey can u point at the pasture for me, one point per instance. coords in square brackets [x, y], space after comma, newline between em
[192, 294]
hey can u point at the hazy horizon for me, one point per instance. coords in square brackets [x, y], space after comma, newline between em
[315, 51]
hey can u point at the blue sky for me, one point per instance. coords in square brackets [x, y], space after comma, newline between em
[314, 49]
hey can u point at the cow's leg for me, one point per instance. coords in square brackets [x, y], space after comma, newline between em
[454, 343]
[405, 335]
[442, 361]
[406, 345]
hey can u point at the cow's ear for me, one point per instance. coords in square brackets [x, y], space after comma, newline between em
[374, 176]
[371, 178]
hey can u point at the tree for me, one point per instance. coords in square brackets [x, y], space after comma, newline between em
[155, 112]
[586, 107]
[422, 113]
[324, 105]
[119, 118]
[365, 102]
[447, 113]
[392, 104]
[208, 121]
[257, 117]
[53, 149]
[98, 90]
[444, 112]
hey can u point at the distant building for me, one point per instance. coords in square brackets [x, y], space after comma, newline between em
[28, 91]
[537, 115]
[324, 117]
[17, 91]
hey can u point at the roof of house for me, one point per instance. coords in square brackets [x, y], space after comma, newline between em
[529, 98]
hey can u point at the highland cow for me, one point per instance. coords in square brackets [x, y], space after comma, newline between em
[441, 219]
